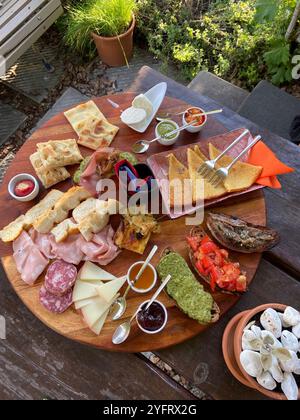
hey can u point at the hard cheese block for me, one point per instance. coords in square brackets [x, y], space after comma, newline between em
[94, 311]
[83, 290]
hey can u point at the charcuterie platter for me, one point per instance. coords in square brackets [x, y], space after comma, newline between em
[249, 207]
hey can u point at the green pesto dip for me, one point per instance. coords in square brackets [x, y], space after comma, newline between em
[166, 127]
[185, 289]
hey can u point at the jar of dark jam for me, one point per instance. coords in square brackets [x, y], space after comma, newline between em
[153, 319]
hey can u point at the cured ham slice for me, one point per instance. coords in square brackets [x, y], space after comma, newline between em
[101, 165]
[101, 249]
[29, 260]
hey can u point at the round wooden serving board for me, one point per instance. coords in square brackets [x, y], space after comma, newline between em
[250, 207]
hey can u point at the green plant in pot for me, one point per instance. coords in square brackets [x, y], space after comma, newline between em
[110, 23]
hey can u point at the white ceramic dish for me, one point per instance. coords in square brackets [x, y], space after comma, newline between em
[165, 141]
[193, 128]
[135, 288]
[23, 177]
[164, 324]
[156, 96]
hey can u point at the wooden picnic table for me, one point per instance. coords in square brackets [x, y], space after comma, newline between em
[37, 363]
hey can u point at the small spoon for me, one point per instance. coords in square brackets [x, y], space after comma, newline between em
[122, 332]
[119, 307]
[141, 146]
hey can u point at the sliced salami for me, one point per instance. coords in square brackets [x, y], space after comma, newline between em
[53, 303]
[60, 277]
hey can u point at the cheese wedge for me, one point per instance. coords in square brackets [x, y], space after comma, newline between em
[97, 327]
[92, 272]
[94, 311]
[241, 176]
[209, 192]
[108, 290]
[84, 302]
[83, 290]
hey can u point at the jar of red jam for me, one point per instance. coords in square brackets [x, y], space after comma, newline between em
[153, 319]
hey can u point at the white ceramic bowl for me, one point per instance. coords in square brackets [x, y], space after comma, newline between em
[23, 177]
[135, 288]
[193, 128]
[164, 324]
[165, 141]
[155, 95]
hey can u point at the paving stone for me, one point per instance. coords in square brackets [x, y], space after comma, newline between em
[4, 164]
[30, 77]
[10, 121]
[220, 90]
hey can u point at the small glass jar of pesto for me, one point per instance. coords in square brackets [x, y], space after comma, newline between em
[163, 128]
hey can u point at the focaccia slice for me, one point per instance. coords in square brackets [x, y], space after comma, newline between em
[94, 133]
[10, 232]
[93, 223]
[48, 177]
[58, 153]
[91, 126]
[69, 201]
[64, 229]
[125, 238]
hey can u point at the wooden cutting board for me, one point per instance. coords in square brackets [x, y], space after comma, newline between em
[250, 207]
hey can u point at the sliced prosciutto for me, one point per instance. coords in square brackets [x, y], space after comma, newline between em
[101, 249]
[29, 260]
[101, 165]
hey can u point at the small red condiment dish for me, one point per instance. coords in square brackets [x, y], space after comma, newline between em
[198, 127]
[19, 178]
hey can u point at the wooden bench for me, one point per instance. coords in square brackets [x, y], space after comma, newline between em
[22, 23]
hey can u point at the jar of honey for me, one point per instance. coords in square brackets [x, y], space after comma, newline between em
[147, 280]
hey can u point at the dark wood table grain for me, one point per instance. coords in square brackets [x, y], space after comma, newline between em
[200, 360]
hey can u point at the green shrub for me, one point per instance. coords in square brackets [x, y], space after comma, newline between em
[104, 17]
[224, 37]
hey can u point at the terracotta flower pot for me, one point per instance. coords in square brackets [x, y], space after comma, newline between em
[232, 348]
[113, 50]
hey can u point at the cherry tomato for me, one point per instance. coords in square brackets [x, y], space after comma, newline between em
[193, 242]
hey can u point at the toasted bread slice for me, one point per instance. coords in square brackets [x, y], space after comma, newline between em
[209, 192]
[178, 178]
[241, 176]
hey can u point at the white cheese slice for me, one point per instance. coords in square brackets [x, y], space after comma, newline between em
[141, 101]
[97, 327]
[84, 302]
[90, 272]
[94, 310]
[133, 115]
[108, 290]
[84, 290]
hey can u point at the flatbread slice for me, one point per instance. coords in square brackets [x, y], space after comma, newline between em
[48, 177]
[58, 153]
[64, 229]
[10, 232]
[94, 133]
[194, 162]
[126, 239]
[241, 176]
[178, 174]
[200, 153]
[68, 201]
[91, 126]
